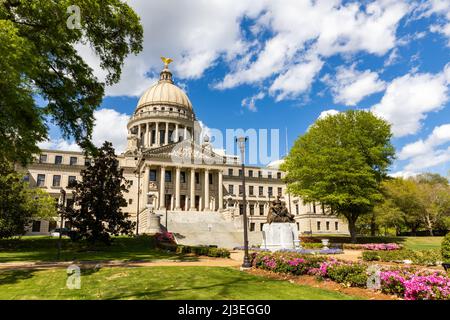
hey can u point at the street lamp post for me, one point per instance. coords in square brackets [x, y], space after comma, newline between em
[241, 143]
[61, 212]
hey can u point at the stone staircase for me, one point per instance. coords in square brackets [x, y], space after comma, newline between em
[208, 228]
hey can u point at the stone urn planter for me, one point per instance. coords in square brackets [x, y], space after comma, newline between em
[325, 243]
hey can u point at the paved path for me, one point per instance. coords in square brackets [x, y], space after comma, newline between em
[234, 261]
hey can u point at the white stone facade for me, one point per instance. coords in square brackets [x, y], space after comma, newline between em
[169, 168]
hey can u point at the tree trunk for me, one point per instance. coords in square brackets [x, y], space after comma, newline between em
[352, 229]
[373, 225]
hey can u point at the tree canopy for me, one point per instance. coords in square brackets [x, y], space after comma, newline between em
[340, 161]
[40, 62]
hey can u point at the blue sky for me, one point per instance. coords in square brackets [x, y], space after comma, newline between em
[281, 64]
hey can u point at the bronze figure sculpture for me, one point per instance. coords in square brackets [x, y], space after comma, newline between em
[279, 213]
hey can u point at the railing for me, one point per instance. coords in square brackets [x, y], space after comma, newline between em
[160, 113]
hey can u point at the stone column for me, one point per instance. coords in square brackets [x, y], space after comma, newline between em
[162, 188]
[192, 189]
[177, 189]
[139, 135]
[149, 136]
[206, 200]
[220, 189]
[145, 187]
[166, 134]
[157, 134]
[176, 132]
[146, 143]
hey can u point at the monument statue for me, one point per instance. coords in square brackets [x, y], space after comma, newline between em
[166, 61]
[279, 213]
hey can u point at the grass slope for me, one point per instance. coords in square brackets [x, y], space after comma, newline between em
[156, 283]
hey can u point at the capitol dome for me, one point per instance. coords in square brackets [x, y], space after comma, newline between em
[164, 92]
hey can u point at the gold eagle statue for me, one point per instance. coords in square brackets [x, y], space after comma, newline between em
[166, 61]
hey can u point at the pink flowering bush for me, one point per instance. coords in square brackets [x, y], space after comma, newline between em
[405, 282]
[381, 246]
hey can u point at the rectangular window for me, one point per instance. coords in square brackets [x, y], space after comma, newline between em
[296, 209]
[58, 159]
[210, 178]
[261, 209]
[72, 179]
[318, 225]
[250, 173]
[230, 189]
[230, 172]
[252, 209]
[241, 190]
[73, 161]
[153, 136]
[183, 177]
[269, 175]
[51, 225]
[250, 190]
[280, 192]
[170, 136]
[56, 181]
[40, 182]
[152, 175]
[130, 201]
[327, 224]
[197, 178]
[323, 208]
[161, 136]
[168, 176]
[261, 191]
[87, 162]
[259, 174]
[314, 207]
[298, 226]
[269, 191]
[43, 158]
[336, 226]
[278, 175]
[261, 225]
[252, 226]
[240, 172]
[36, 226]
[241, 209]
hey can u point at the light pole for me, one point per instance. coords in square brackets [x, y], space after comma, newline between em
[241, 144]
[61, 212]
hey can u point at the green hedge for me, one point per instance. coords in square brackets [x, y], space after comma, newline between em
[445, 248]
[197, 250]
[420, 257]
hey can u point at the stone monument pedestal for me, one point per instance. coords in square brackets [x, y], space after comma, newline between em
[280, 235]
[154, 223]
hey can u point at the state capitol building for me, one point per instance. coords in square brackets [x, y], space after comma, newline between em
[197, 192]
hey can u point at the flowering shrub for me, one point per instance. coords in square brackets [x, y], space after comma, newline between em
[381, 246]
[165, 237]
[407, 283]
[421, 257]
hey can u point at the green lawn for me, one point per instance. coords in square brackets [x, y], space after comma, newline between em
[40, 249]
[155, 283]
[422, 242]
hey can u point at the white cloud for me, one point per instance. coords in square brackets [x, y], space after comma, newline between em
[409, 98]
[275, 164]
[325, 113]
[250, 102]
[110, 125]
[403, 174]
[425, 153]
[59, 144]
[441, 8]
[350, 86]
[296, 80]
[305, 29]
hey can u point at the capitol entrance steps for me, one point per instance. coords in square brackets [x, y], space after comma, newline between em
[207, 228]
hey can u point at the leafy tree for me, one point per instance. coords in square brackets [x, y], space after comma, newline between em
[39, 58]
[20, 204]
[340, 162]
[434, 195]
[403, 194]
[98, 199]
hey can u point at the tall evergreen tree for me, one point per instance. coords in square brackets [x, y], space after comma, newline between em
[98, 199]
